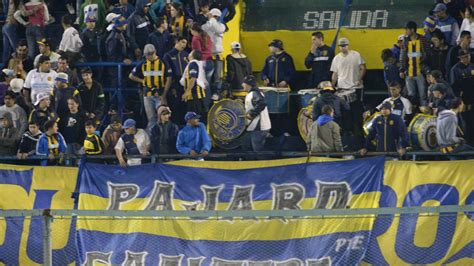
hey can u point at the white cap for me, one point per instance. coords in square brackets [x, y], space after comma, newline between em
[110, 17]
[63, 77]
[16, 85]
[8, 72]
[401, 37]
[215, 12]
[235, 45]
[41, 96]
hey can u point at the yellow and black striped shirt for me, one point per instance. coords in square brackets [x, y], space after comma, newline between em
[93, 145]
[414, 58]
[197, 92]
[153, 73]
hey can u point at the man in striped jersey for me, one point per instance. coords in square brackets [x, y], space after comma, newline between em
[155, 77]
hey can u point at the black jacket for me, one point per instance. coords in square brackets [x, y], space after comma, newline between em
[93, 99]
[138, 26]
[320, 65]
[237, 69]
[328, 98]
[163, 138]
[28, 143]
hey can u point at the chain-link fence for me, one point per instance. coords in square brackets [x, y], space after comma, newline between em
[387, 236]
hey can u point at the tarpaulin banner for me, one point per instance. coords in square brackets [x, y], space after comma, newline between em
[29, 188]
[278, 184]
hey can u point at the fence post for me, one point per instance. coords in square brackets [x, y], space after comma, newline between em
[47, 245]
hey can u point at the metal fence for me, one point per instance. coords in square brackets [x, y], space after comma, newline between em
[50, 229]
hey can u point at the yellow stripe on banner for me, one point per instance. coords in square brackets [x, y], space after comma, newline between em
[228, 230]
[234, 230]
[249, 164]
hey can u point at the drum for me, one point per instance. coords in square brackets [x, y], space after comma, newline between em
[348, 95]
[308, 96]
[239, 95]
[277, 99]
[305, 120]
[368, 123]
[422, 132]
[226, 120]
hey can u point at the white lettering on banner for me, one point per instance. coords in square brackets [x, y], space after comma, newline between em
[140, 258]
[358, 19]
[287, 196]
[354, 243]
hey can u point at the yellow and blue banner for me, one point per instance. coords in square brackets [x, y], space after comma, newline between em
[405, 239]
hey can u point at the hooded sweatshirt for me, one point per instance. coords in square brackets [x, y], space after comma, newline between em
[9, 136]
[18, 116]
[138, 26]
[29, 142]
[324, 135]
[446, 129]
[163, 135]
[238, 67]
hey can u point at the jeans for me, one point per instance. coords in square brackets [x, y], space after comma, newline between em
[151, 103]
[33, 34]
[216, 84]
[10, 39]
[209, 69]
[414, 85]
[5, 7]
[254, 140]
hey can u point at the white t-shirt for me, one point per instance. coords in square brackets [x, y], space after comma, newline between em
[347, 69]
[142, 141]
[39, 82]
[71, 41]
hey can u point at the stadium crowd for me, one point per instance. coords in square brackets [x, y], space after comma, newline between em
[51, 105]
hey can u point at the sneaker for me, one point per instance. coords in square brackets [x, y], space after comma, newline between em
[286, 134]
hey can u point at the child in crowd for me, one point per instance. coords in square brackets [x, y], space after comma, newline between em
[51, 144]
[29, 140]
[93, 145]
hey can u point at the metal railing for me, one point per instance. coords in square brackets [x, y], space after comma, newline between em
[48, 216]
[264, 155]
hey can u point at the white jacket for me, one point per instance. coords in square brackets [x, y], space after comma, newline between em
[216, 30]
[201, 80]
[71, 41]
[253, 99]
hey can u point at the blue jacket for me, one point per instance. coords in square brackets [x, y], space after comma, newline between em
[117, 47]
[193, 138]
[390, 133]
[177, 61]
[47, 144]
[278, 68]
[161, 41]
[450, 29]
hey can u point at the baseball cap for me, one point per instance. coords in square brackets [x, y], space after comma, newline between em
[110, 17]
[44, 42]
[8, 72]
[41, 96]
[343, 41]
[386, 105]
[276, 43]
[401, 37]
[191, 115]
[149, 48]
[440, 7]
[16, 85]
[250, 80]
[215, 12]
[63, 77]
[129, 123]
[328, 89]
[235, 45]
